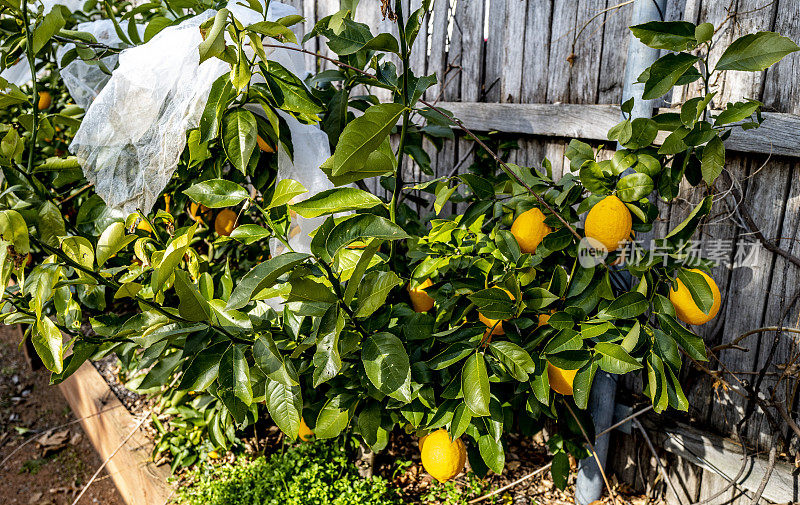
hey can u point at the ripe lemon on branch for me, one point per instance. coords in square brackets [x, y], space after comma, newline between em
[687, 310]
[609, 222]
[529, 230]
[420, 300]
[45, 100]
[225, 222]
[561, 380]
[442, 458]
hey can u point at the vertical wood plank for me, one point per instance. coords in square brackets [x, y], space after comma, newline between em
[437, 59]
[615, 53]
[514, 45]
[495, 41]
[561, 33]
[781, 85]
[536, 52]
[587, 51]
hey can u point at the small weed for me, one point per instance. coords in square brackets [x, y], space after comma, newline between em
[32, 466]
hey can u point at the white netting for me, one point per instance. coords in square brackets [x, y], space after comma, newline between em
[84, 81]
[135, 129]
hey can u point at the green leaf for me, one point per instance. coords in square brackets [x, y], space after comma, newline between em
[492, 453]
[756, 52]
[47, 341]
[204, 368]
[14, 229]
[332, 420]
[239, 131]
[665, 72]
[214, 42]
[271, 362]
[111, 241]
[162, 371]
[699, 289]
[327, 360]
[627, 306]
[219, 97]
[516, 359]
[671, 35]
[288, 91]
[704, 32]
[494, 303]
[52, 22]
[217, 193]
[364, 135]
[582, 384]
[250, 233]
[364, 261]
[615, 359]
[50, 224]
[713, 160]
[688, 341]
[475, 385]
[172, 257]
[373, 290]
[234, 374]
[387, 365]
[336, 200]
[560, 469]
[634, 187]
[285, 406]
[644, 133]
[263, 275]
[360, 227]
[285, 191]
[192, 305]
[735, 112]
[79, 250]
[686, 229]
[273, 30]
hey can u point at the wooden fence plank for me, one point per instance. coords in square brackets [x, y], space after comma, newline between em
[723, 457]
[136, 477]
[777, 135]
[536, 55]
[586, 51]
[615, 53]
[562, 30]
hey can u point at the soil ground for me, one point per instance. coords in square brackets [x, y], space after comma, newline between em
[53, 469]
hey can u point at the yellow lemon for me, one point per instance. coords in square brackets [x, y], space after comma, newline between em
[609, 222]
[420, 300]
[529, 230]
[687, 310]
[213, 455]
[305, 434]
[561, 380]
[45, 99]
[225, 222]
[442, 458]
[262, 144]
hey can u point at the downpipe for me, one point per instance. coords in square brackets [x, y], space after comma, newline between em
[602, 399]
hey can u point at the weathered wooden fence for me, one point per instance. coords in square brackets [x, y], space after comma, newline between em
[546, 71]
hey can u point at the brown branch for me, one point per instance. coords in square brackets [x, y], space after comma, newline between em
[661, 468]
[773, 452]
[738, 339]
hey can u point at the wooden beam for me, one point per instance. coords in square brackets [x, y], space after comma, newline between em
[138, 480]
[724, 458]
[777, 135]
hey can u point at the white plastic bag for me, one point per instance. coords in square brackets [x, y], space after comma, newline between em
[135, 129]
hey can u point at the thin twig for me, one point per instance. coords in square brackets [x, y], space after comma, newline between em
[508, 486]
[773, 452]
[738, 339]
[620, 423]
[594, 453]
[145, 416]
[661, 468]
[49, 430]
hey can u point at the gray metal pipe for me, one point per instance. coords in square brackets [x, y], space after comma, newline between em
[589, 484]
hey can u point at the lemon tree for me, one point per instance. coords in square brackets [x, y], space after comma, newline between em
[462, 326]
